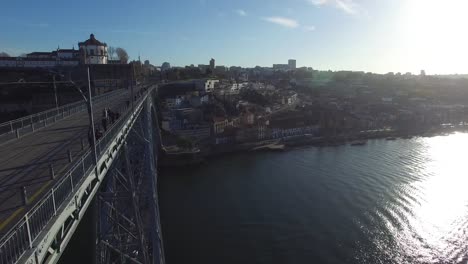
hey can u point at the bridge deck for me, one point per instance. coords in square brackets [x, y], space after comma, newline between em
[26, 162]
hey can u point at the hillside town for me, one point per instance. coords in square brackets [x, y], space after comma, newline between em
[238, 109]
[213, 108]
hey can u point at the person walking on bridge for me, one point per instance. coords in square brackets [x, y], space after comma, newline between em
[105, 118]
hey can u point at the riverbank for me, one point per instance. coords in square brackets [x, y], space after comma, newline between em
[208, 152]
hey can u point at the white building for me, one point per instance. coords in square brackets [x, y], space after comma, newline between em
[93, 51]
[206, 85]
[238, 86]
[210, 85]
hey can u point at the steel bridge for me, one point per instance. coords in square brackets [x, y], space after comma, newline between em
[51, 172]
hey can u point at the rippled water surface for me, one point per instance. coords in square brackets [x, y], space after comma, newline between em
[403, 201]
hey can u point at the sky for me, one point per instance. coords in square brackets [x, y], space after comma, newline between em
[362, 35]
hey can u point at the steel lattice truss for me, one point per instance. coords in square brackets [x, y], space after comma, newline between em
[128, 226]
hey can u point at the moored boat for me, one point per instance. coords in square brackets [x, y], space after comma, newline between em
[358, 143]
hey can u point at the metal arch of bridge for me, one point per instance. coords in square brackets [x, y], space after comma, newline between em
[42, 235]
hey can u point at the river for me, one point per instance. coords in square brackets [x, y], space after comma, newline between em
[402, 201]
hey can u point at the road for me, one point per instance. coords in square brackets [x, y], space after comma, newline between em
[26, 162]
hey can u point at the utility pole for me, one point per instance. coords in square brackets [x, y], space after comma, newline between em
[133, 83]
[91, 120]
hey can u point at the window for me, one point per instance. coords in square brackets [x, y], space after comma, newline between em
[91, 52]
[102, 52]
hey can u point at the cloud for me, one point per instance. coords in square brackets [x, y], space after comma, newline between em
[309, 28]
[347, 6]
[241, 12]
[282, 21]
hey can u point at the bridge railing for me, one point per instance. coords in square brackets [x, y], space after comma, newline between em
[22, 126]
[25, 232]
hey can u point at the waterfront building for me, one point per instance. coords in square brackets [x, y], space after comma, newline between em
[219, 124]
[194, 132]
[247, 118]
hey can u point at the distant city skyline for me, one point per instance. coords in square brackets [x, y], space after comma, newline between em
[360, 35]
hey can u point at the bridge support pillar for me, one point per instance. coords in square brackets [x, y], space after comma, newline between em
[128, 225]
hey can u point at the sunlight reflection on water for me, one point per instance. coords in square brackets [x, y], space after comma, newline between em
[435, 227]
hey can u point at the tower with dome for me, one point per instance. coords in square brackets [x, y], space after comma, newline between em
[92, 51]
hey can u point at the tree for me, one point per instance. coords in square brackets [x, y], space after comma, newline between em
[4, 54]
[110, 53]
[253, 96]
[122, 55]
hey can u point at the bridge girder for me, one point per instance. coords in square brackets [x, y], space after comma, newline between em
[127, 200]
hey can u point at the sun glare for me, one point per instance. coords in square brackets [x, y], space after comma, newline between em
[438, 218]
[434, 35]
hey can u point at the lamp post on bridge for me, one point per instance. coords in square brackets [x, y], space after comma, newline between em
[89, 106]
[54, 74]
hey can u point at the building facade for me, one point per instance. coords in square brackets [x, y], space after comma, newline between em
[292, 64]
[93, 51]
[219, 124]
[212, 63]
[165, 66]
